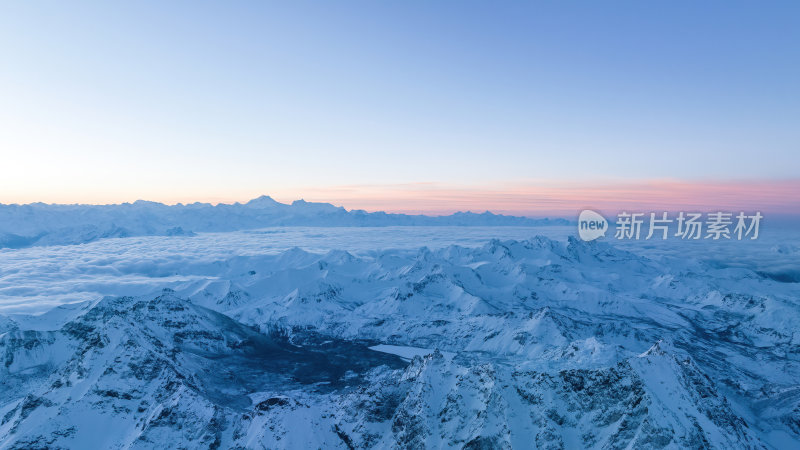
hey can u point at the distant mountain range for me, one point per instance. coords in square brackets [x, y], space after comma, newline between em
[48, 224]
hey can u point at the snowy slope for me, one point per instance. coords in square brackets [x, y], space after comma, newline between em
[514, 344]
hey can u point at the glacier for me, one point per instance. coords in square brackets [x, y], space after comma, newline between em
[349, 341]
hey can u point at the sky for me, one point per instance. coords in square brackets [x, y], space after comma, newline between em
[525, 107]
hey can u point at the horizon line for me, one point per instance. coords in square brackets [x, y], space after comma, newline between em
[537, 200]
[526, 199]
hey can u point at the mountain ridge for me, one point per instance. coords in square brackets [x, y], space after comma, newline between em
[516, 344]
[37, 224]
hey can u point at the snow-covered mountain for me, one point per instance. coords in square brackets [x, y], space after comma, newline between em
[45, 224]
[515, 344]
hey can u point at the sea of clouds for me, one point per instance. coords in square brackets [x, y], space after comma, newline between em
[35, 279]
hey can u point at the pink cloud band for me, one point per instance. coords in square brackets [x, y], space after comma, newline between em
[541, 199]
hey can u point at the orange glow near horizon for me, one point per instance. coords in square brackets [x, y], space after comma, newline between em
[781, 197]
[536, 199]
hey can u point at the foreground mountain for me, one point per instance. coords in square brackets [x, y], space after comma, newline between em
[44, 224]
[517, 344]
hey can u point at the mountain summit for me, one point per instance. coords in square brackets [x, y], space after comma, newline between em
[45, 224]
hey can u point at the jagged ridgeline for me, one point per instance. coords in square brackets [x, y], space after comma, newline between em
[514, 344]
[44, 224]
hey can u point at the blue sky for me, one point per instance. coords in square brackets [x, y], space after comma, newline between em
[183, 101]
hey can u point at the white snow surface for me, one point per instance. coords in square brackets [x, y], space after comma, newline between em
[407, 337]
